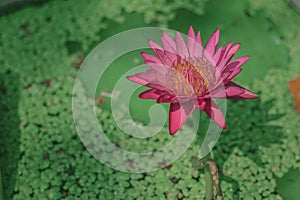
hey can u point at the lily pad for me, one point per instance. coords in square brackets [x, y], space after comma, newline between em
[288, 186]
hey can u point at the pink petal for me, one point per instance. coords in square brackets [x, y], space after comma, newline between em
[147, 77]
[137, 79]
[241, 94]
[150, 58]
[198, 46]
[172, 56]
[190, 41]
[160, 86]
[154, 46]
[167, 45]
[212, 43]
[228, 47]
[191, 33]
[230, 75]
[150, 94]
[223, 54]
[230, 89]
[201, 103]
[233, 89]
[212, 110]
[179, 113]
[180, 46]
[219, 54]
[164, 58]
[165, 98]
[236, 63]
[159, 68]
[170, 41]
[234, 49]
[246, 95]
[224, 62]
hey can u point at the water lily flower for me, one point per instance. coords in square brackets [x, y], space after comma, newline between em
[189, 76]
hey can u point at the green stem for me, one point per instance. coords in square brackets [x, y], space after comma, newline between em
[209, 187]
[1, 190]
[211, 173]
[212, 179]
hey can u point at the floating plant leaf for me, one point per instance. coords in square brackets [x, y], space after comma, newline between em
[288, 185]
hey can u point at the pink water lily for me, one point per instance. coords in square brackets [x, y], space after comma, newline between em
[188, 76]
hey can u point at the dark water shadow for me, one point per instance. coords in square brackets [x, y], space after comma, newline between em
[9, 131]
[9, 6]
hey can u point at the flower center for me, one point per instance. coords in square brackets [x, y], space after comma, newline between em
[190, 77]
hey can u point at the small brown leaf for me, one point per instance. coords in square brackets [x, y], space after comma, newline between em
[47, 83]
[80, 60]
[295, 90]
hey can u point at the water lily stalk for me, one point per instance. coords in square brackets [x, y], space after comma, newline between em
[214, 171]
[212, 182]
[209, 186]
[1, 190]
